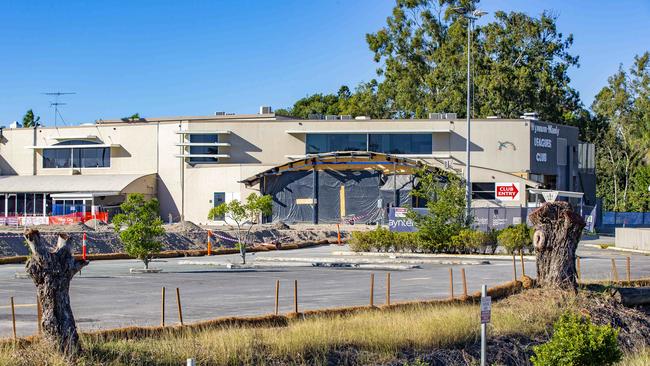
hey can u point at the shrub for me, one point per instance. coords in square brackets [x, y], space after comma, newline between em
[491, 242]
[407, 242]
[576, 341]
[469, 241]
[516, 237]
[360, 241]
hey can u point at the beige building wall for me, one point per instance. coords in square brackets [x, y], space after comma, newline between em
[500, 152]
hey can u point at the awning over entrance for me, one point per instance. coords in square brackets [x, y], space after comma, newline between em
[114, 183]
[348, 160]
[551, 195]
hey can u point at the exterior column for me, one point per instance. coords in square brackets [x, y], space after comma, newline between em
[314, 173]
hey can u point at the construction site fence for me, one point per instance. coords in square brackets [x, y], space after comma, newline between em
[69, 219]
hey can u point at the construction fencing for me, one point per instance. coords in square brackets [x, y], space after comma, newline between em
[485, 219]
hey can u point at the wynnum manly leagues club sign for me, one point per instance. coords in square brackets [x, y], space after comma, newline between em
[545, 141]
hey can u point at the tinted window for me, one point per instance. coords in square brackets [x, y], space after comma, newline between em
[91, 157]
[397, 143]
[323, 143]
[204, 150]
[57, 158]
[483, 191]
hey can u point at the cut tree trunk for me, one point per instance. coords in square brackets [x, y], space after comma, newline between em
[52, 269]
[557, 232]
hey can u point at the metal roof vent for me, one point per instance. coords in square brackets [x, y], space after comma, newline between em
[266, 109]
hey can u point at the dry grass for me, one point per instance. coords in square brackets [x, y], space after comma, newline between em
[641, 358]
[311, 340]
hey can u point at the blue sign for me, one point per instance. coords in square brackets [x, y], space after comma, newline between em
[397, 220]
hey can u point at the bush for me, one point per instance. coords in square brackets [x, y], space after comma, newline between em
[516, 237]
[576, 341]
[384, 240]
[469, 241]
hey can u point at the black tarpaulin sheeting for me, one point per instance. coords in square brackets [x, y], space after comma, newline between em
[285, 190]
[362, 193]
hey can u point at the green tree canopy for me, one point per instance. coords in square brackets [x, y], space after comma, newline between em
[519, 64]
[139, 227]
[30, 120]
[245, 215]
[623, 137]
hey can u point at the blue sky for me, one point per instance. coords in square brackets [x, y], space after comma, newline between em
[163, 58]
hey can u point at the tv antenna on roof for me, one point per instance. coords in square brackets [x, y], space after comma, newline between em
[56, 104]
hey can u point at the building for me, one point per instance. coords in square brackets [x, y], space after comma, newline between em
[194, 163]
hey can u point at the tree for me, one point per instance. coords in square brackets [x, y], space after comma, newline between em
[444, 194]
[557, 232]
[519, 63]
[52, 271]
[623, 136]
[31, 120]
[133, 118]
[244, 215]
[140, 227]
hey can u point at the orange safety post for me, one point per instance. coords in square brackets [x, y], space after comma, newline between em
[83, 247]
[338, 233]
[209, 243]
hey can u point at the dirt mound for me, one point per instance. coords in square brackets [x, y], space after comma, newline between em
[99, 226]
[183, 226]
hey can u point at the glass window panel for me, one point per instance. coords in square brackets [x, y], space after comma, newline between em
[401, 143]
[20, 203]
[56, 158]
[38, 204]
[93, 157]
[323, 143]
[204, 150]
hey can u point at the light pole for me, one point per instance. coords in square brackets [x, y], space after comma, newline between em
[471, 16]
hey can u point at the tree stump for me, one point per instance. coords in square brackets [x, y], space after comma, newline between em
[557, 233]
[52, 269]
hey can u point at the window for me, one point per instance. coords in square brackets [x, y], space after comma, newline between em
[483, 191]
[77, 157]
[219, 198]
[328, 142]
[204, 150]
[398, 143]
[387, 143]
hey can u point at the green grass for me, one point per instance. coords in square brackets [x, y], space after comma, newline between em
[379, 335]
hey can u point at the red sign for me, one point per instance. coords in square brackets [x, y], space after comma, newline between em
[506, 191]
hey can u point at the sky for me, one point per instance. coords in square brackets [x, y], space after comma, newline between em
[171, 58]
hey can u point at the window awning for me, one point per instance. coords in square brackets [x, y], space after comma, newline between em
[121, 183]
[91, 146]
[424, 130]
[550, 195]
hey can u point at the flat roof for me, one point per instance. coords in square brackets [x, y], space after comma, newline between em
[67, 183]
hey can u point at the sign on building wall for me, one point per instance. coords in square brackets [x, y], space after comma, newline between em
[507, 191]
[543, 149]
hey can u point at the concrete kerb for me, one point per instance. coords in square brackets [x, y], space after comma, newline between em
[369, 260]
[611, 247]
[530, 258]
[366, 266]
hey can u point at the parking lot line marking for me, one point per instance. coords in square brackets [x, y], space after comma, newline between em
[416, 279]
[18, 306]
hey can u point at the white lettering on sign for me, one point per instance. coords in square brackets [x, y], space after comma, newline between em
[550, 129]
[541, 157]
[542, 142]
[486, 309]
[506, 191]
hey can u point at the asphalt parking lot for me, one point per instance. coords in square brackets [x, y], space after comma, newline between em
[106, 295]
